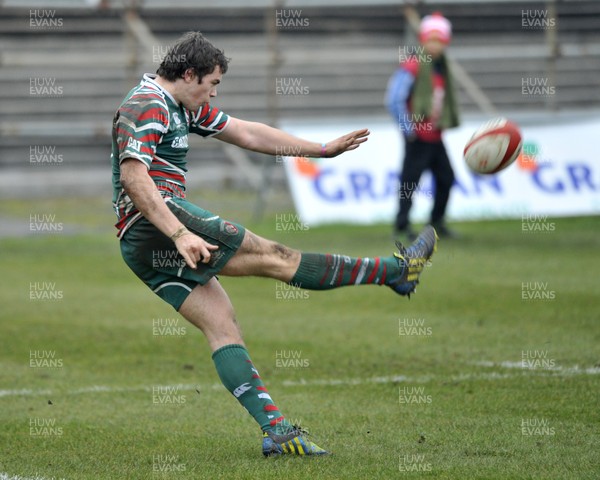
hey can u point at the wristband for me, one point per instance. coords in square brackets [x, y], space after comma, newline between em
[323, 145]
[180, 232]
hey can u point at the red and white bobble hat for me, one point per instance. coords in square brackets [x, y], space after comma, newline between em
[435, 25]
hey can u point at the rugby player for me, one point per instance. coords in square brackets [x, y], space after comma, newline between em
[149, 147]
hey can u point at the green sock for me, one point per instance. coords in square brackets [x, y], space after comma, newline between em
[322, 272]
[241, 378]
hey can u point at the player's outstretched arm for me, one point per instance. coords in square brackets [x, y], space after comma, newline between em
[147, 199]
[259, 137]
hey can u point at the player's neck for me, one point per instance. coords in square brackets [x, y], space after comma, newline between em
[168, 86]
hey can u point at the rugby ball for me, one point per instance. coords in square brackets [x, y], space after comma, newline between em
[493, 147]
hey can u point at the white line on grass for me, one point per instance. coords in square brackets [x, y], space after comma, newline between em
[329, 382]
[6, 476]
[574, 370]
[25, 393]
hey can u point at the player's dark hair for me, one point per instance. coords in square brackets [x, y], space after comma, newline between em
[193, 51]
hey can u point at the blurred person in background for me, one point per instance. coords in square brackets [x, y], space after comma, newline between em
[421, 98]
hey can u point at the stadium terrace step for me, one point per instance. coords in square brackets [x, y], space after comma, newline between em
[341, 61]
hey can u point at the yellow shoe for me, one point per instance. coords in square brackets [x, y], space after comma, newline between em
[293, 443]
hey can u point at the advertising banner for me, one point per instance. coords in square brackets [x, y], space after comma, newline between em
[557, 174]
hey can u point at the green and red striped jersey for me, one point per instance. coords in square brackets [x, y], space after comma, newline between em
[150, 126]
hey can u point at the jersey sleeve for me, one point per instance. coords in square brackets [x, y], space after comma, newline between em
[139, 125]
[208, 121]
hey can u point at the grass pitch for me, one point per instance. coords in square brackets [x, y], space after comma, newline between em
[490, 371]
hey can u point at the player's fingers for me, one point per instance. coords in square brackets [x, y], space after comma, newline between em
[353, 143]
[191, 262]
[204, 254]
[358, 141]
[363, 133]
[210, 246]
[356, 138]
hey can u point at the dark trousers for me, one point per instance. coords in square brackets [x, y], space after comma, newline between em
[420, 156]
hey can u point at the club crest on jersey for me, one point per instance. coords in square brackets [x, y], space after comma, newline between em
[176, 118]
[180, 142]
[229, 229]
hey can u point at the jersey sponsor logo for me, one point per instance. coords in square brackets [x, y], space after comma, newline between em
[243, 388]
[135, 144]
[180, 142]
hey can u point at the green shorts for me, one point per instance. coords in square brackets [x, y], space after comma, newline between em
[154, 259]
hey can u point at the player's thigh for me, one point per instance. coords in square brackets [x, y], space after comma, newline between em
[240, 252]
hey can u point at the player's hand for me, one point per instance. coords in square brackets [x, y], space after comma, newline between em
[345, 143]
[194, 249]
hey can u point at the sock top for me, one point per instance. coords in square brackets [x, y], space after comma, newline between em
[228, 351]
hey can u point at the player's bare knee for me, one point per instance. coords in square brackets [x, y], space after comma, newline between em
[283, 252]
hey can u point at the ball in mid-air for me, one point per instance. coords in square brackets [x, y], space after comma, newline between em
[494, 146]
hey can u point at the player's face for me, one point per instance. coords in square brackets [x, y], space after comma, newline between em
[195, 94]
